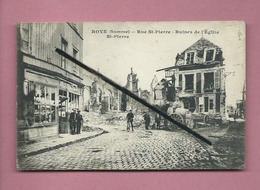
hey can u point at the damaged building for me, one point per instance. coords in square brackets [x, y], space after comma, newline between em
[128, 103]
[104, 97]
[131, 85]
[197, 79]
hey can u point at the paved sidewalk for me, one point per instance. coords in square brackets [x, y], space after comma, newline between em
[52, 143]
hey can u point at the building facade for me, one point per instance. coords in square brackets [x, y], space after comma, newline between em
[127, 103]
[152, 91]
[131, 85]
[104, 97]
[198, 78]
[48, 85]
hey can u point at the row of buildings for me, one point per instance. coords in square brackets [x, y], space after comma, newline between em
[50, 86]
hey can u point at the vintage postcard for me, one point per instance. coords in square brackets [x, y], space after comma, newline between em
[131, 96]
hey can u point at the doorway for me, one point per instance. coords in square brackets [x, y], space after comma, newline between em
[206, 104]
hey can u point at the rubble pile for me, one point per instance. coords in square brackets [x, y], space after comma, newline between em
[94, 119]
[91, 121]
[119, 118]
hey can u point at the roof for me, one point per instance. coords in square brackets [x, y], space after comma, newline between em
[201, 44]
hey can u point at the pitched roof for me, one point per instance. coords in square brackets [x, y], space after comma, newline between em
[201, 44]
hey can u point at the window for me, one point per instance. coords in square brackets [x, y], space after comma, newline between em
[189, 83]
[208, 82]
[201, 108]
[217, 80]
[210, 55]
[189, 103]
[73, 101]
[217, 102]
[64, 46]
[180, 81]
[211, 104]
[206, 104]
[75, 53]
[198, 82]
[26, 37]
[44, 104]
[190, 58]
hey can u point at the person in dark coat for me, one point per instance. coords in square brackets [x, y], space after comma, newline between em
[147, 120]
[79, 121]
[73, 121]
[157, 120]
[130, 119]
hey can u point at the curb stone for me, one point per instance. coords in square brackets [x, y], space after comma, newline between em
[46, 149]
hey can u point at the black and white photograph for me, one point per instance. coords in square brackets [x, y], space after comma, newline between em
[131, 96]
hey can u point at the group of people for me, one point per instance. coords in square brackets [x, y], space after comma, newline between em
[147, 121]
[157, 121]
[168, 108]
[76, 121]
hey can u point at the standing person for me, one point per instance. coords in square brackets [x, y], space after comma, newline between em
[130, 119]
[157, 120]
[73, 121]
[79, 122]
[165, 109]
[176, 104]
[169, 112]
[147, 120]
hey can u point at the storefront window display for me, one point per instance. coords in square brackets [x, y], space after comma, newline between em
[44, 104]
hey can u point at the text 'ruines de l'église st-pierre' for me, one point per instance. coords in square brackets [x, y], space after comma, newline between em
[127, 33]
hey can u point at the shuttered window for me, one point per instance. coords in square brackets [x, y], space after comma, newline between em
[217, 80]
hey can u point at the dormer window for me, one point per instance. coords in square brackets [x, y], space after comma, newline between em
[190, 58]
[209, 55]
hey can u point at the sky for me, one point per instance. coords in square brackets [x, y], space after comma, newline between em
[154, 45]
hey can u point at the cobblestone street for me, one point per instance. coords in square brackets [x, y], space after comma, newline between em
[121, 150]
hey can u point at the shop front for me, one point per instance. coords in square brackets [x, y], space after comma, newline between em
[45, 105]
[38, 109]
